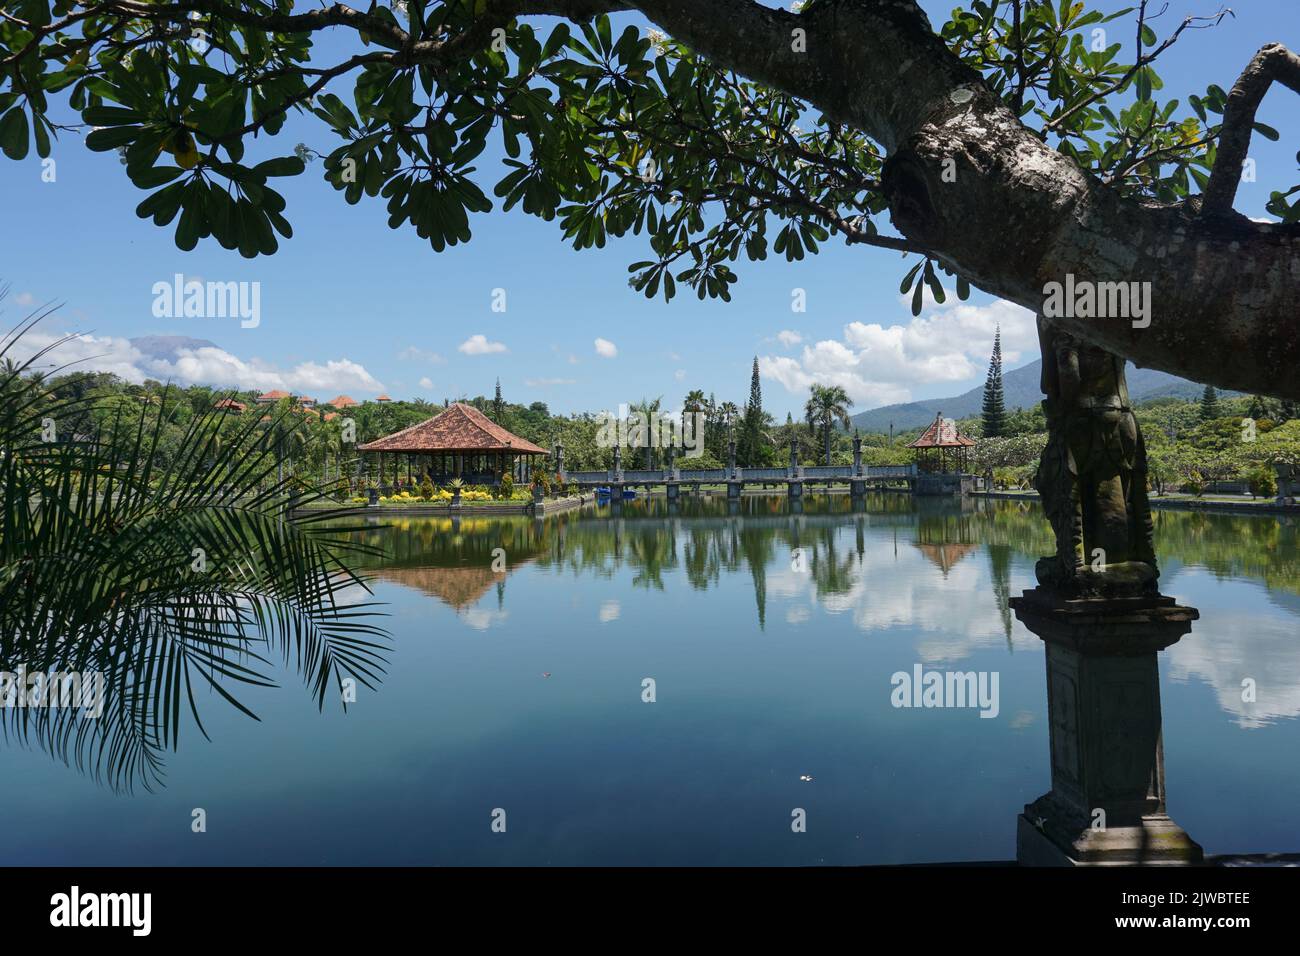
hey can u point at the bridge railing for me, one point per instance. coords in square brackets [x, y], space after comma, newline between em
[765, 474]
[827, 471]
[589, 477]
[705, 474]
[891, 471]
[656, 476]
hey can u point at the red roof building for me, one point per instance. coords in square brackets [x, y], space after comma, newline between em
[461, 442]
[940, 444]
[342, 401]
[230, 405]
[266, 398]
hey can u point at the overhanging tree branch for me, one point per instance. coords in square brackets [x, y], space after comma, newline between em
[1273, 63]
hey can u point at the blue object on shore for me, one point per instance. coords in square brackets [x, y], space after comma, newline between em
[603, 492]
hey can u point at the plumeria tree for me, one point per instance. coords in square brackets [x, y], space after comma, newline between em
[717, 132]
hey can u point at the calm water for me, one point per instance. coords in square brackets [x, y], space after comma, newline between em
[771, 639]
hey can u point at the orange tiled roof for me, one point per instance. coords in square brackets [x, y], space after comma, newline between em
[230, 403]
[383, 398]
[459, 428]
[272, 396]
[342, 401]
[942, 433]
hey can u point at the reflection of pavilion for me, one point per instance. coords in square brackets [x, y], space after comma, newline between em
[944, 556]
[458, 587]
[945, 538]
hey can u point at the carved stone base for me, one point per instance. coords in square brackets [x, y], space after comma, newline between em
[1107, 802]
[1109, 625]
[1044, 839]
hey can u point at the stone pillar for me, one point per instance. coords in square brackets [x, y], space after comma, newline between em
[1285, 483]
[618, 463]
[794, 455]
[673, 490]
[731, 458]
[857, 454]
[1107, 802]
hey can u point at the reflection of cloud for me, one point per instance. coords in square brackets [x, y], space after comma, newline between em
[957, 613]
[609, 611]
[482, 618]
[1257, 646]
[797, 615]
[1022, 719]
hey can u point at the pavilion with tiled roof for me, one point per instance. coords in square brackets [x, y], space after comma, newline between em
[942, 444]
[461, 442]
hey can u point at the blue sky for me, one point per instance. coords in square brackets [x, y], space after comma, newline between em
[349, 305]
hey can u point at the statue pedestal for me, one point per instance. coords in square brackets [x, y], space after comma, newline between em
[1107, 802]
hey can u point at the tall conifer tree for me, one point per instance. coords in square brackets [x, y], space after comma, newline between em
[995, 411]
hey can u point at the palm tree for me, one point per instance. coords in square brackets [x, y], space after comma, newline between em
[160, 575]
[649, 409]
[827, 405]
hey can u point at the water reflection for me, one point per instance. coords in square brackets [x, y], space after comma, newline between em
[886, 561]
[520, 645]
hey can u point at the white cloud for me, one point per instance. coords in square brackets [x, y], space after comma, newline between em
[680, 374]
[24, 298]
[206, 365]
[479, 345]
[609, 611]
[426, 383]
[878, 364]
[413, 353]
[605, 348]
[545, 382]
[789, 338]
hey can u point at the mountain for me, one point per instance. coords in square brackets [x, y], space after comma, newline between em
[166, 347]
[1021, 390]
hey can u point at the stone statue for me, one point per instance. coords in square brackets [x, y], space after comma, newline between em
[1093, 475]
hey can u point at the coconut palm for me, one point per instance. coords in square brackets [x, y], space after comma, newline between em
[827, 405]
[161, 576]
[649, 410]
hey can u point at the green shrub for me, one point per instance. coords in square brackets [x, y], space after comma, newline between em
[426, 488]
[1263, 483]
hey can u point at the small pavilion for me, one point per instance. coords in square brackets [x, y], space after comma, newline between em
[942, 447]
[461, 442]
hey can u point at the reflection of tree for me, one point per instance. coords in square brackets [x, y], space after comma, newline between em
[701, 541]
[759, 550]
[1000, 574]
[832, 572]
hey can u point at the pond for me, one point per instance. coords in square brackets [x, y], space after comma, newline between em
[676, 687]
